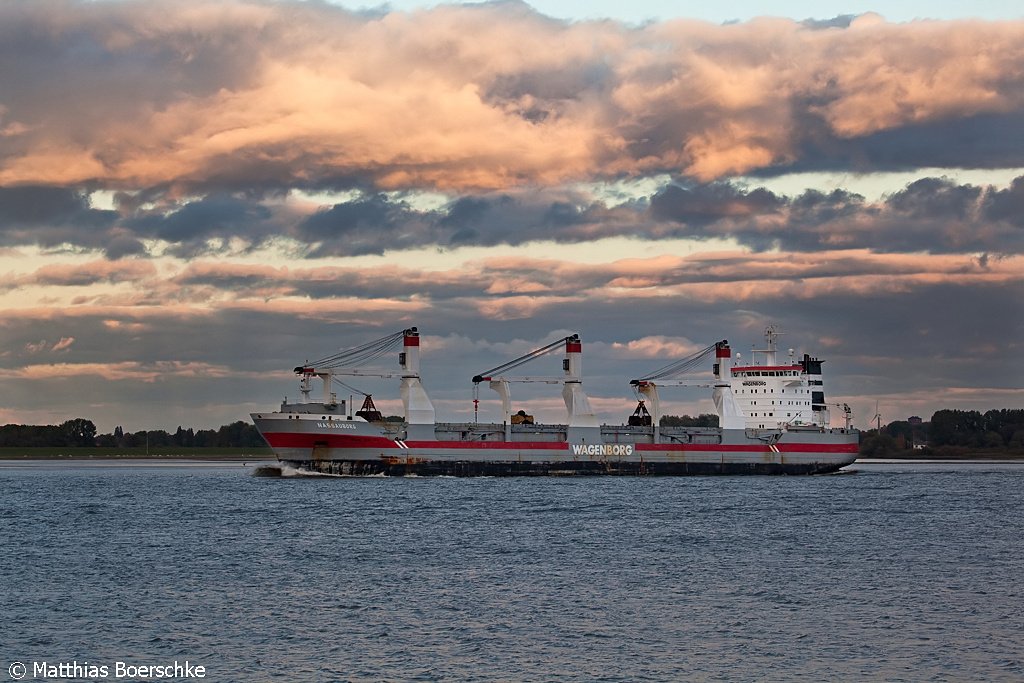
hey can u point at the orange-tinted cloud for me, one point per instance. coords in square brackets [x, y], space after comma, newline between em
[498, 288]
[486, 96]
[83, 274]
[143, 372]
[656, 347]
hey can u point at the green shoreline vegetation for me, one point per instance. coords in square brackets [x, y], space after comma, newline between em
[949, 435]
[77, 439]
[103, 453]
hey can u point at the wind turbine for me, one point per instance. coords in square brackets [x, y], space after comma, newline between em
[877, 418]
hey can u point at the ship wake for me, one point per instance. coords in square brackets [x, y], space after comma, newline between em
[282, 470]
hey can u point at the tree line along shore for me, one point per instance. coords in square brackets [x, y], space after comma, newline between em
[950, 434]
[79, 438]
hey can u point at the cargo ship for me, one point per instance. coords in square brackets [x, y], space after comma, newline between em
[772, 413]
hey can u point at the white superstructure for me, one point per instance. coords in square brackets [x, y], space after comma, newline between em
[773, 393]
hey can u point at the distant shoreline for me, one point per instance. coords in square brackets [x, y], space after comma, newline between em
[960, 456]
[136, 453]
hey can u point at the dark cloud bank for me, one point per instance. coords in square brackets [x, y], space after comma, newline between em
[932, 214]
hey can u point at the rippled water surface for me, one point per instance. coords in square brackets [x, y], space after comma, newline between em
[892, 572]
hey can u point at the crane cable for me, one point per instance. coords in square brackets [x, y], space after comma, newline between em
[681, 366]
[363, 354]
[522, 360]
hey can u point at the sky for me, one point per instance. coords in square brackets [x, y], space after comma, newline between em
[197, 196]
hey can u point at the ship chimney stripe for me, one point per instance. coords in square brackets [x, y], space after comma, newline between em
[573, 347]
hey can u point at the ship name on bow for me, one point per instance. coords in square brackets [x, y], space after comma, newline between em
[335, 425]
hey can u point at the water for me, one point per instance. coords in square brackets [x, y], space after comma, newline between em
[895, 572]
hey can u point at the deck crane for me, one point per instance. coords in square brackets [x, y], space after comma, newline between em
[847, 414]
[730, 414]
[581, 416]
[419, 411]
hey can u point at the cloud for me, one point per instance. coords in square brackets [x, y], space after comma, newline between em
[506, 287]
[985, 140]
[930, 214]
[145, 372]
[51, 216]
[656, 347]
[63, 344]
[225, 96]
[1007, 205]
[704, 204]
[84, 274]
[36, 347]
[211, 216]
